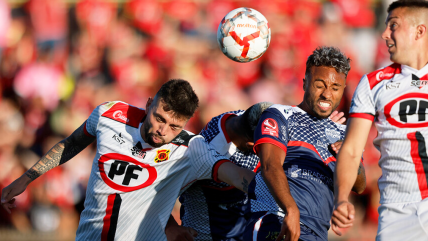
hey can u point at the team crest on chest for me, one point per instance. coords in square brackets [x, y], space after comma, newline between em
[162, 155]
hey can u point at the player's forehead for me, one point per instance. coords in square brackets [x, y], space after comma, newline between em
[161, 110]
[402, 14]
[328, 75]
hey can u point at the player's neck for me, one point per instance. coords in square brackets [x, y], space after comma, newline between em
[419, 61]
[232, 129]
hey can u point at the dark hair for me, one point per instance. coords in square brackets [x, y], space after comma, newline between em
[329, 57]
[178, 96]
[251, 117]
[408, 4]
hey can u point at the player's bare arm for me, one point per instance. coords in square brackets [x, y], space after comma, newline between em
[345, 176]
[235, 176]
[59, 154]
[360, 183]
[272, 159]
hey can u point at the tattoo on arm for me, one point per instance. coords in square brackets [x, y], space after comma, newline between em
[62, 152]
[245, 184]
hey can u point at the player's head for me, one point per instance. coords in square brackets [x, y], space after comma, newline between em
[248, 123]
[406, 31]
[324, 82]
[168, 112]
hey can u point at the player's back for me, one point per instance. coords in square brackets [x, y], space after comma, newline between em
[216, 210]
[396, 98]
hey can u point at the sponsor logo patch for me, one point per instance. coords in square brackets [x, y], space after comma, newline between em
[118, 138]
[332, 135]
[124, 173]
[138, 150]
[270, 127]
[162, 155]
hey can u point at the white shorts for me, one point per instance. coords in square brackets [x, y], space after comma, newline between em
[403, 221]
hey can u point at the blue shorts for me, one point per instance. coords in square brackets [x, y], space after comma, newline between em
[266, 226]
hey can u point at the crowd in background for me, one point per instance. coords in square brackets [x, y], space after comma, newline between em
[60, 59]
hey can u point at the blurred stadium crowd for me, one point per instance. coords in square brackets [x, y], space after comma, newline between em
[60, 59]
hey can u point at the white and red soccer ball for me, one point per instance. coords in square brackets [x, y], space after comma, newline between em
[243, 35]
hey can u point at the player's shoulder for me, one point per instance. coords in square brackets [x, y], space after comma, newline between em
[183, 139]
[385, 73]
[284, 110]
[122, 112]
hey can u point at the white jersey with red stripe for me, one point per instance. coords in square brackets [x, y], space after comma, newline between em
[396, 98]
[133, 186]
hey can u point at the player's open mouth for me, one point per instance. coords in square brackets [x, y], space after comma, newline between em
[324, 105]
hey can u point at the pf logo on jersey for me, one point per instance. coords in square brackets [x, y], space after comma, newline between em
[162, 155]
[124, 173]
[270, 127]
[408, 111]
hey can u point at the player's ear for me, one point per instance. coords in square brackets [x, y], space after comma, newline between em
[148, 104]
[249, 145]
[421, 30]
[304, 84]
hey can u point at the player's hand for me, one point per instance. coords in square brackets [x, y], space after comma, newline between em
[9, 193]
[180, 233]
[343, 216]
[290, 230]
[336, 146]
[337, 117]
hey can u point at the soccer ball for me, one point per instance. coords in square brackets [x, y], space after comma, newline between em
[243, 35]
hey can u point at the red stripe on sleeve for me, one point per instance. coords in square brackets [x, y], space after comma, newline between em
[270, 141]
[215, 169]
[86, 131]
[362, 115]
[106, 219]
[419, 168]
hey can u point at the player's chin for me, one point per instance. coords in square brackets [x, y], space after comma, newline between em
[323, 114]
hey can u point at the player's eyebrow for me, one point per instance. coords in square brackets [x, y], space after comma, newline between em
[389, 19]
[321, 80]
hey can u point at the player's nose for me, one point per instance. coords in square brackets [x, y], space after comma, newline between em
[386, 34]
[162, 129]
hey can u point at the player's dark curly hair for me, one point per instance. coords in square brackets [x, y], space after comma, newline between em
[408, 4]
[329, 57]
[179, 97]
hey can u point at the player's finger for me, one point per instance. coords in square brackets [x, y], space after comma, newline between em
[333, 116]
[336, 230]
[4, 195]
[341, 224]
[351, 212]
[341, 218]
[341, 121]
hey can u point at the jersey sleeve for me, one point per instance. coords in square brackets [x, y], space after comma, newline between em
[271, 129]
[363, 105]
[205, 160]
[90, 127]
